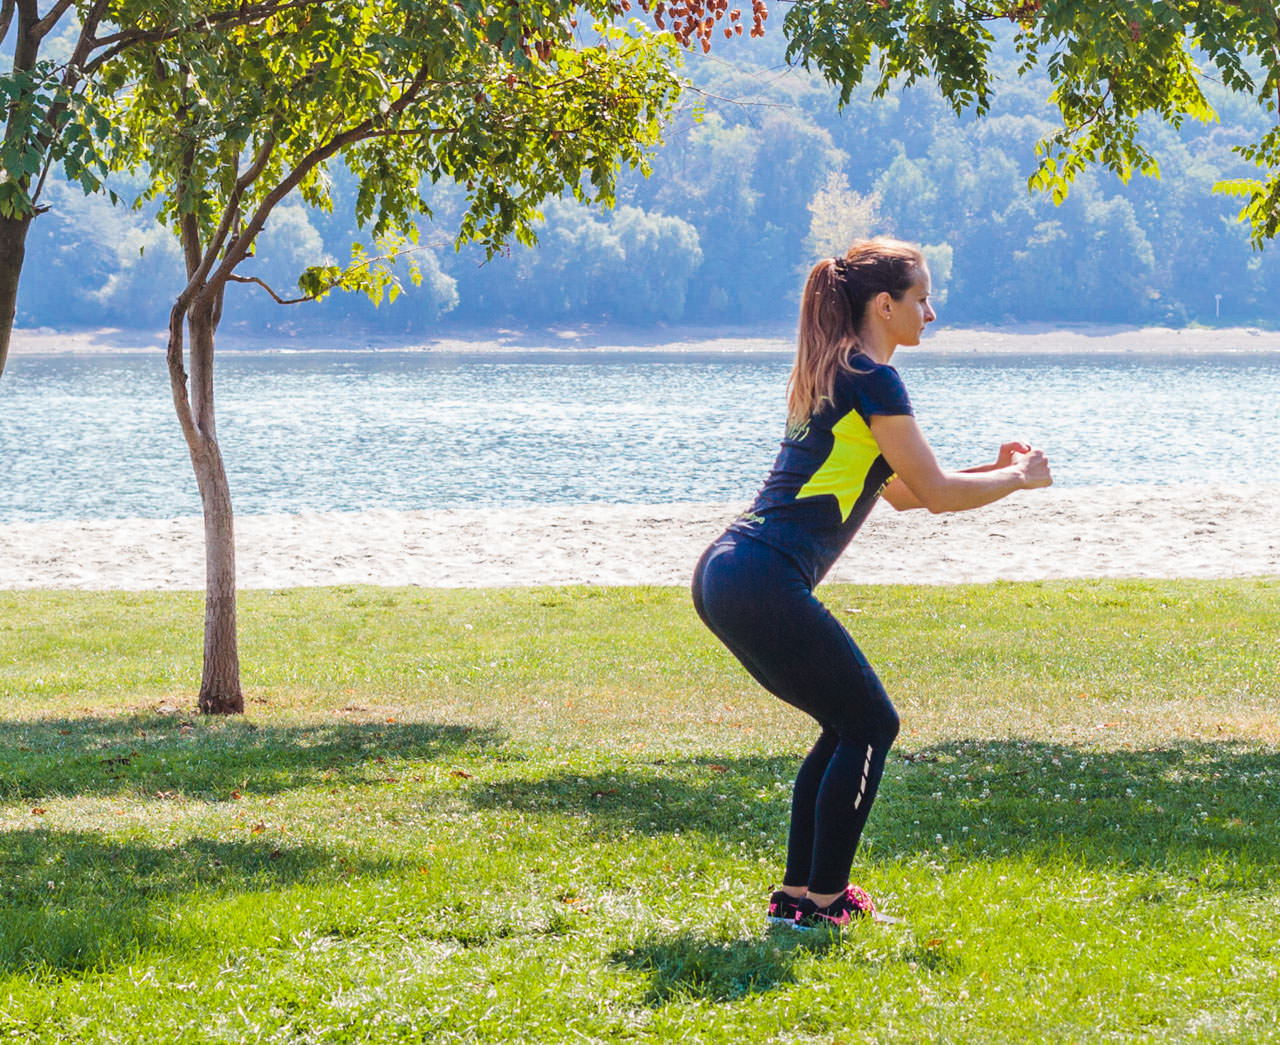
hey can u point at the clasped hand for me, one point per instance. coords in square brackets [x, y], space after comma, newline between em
[1033, 463]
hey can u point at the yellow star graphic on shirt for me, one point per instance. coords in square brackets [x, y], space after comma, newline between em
[844, 473]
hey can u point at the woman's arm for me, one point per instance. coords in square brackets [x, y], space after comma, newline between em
[1003, 459]
[902, 499]
[920, 481]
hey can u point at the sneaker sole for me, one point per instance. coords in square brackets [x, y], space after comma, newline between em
[821, 927]
[834, 927]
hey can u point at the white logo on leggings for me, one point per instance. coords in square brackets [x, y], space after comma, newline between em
[866, 771]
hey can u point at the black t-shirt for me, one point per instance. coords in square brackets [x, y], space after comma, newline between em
[829, 471]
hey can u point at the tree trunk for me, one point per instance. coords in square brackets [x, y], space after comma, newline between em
[220, 692]
[13, 231]
[13, 250]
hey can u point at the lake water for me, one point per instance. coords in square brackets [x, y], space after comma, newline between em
[96, 436]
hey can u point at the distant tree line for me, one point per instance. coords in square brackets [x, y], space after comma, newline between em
[739, 203]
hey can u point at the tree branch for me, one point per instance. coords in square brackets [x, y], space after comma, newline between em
[199, 263]
[236, 278]
[308, 163]
[190, 235]
[233, 278]
[40, 182]
[231, 216]
[6, 19]
[218, 297]
[174, 356]
[42, 27]
[244, 14]
[84, 45]
[70, 77]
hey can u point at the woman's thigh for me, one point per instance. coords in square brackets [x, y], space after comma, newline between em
[760, 606]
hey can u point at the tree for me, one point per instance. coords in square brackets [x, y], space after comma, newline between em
[838, 216]
[510, 101]
[630, 266]
[48, 122]
[52, 121]
[1111, 62]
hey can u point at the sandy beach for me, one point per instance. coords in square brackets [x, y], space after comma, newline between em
[1152, 531]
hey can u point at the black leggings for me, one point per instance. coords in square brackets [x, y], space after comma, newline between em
[761, 606]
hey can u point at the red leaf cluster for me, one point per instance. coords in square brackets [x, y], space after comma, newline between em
[692, 22]
[1023, 12]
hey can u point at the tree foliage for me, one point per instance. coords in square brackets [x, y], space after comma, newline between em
[59, 115]
[741, 184]
[1111, 63]
[744, 180]
[399, 91]
[50, 120]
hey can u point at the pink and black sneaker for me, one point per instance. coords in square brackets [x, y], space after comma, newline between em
[782, 909]
[852, 903]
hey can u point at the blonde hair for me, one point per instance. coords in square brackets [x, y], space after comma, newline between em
[832, 307]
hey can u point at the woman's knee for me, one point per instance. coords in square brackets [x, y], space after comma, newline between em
[873, 720]
[889, 725]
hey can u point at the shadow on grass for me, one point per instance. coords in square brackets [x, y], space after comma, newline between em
[167, 755]
[690, 967]
[75, 901]
[1175, 808]
[1180, 807]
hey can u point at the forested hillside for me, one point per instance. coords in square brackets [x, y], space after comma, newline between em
[761, 175]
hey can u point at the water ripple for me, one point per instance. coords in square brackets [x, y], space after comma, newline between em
[95, 436]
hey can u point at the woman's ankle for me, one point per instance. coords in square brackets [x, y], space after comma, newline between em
[824, 899]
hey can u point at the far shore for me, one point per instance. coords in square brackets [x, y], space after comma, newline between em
[1013, 340]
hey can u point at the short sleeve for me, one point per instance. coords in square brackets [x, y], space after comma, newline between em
[881, 391]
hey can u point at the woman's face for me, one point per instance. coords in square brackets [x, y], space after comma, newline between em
[909, 315]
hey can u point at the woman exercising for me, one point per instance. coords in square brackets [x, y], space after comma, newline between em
[850, 438]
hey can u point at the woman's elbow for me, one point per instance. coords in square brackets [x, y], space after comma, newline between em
[900, 497]
[935, 501]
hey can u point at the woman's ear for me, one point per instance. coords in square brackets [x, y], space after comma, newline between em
[883, 304]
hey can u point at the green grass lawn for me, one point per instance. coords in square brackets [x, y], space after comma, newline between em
[554, 815]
